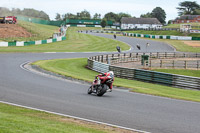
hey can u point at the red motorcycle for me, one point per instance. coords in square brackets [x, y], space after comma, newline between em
[102, 84]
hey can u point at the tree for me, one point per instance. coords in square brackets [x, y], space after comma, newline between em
[159, 13]
[169, 22]
[188, 8]
[84, 15]
[111, 16]
[16, 11]
[70, 16]
[4, 11]
[97, 16]
[103, 23]
[121, 14]
[197, 12]
[58, 17]
[147, 15]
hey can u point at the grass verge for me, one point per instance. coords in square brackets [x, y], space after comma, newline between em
[63, 67]
[193, 73]
[177, 44]
[181, 46]
[178, 25]
[38, 31]
[76, 42]
[16, 119]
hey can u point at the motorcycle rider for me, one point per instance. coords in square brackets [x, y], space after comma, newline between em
[101, 78]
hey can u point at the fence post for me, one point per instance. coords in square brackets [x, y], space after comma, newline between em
[119, 58]
[102, 58]
[107, 59]
[98, 58]
[161, 64]
[173, 64]
[150, 63]
[185, 64]
[124, 57]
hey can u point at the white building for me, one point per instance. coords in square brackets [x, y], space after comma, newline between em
[144, 23]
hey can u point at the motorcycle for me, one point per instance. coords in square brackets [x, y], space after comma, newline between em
[100, 87]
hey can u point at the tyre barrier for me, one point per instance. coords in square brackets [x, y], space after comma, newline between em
[153, 36]
[28, 43]
[59, 37]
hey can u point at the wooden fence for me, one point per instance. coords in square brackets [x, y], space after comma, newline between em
[175, 64]
[102, 64]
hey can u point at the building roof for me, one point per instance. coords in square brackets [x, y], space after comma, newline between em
[187, 17]
[126, 20]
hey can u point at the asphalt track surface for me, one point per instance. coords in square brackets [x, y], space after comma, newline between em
[120, 107]
[154, 46]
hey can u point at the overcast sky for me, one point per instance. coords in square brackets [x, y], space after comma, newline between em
[133, 7]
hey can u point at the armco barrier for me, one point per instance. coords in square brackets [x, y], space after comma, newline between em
[100, 64]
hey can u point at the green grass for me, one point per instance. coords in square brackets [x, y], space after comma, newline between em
[76, 42]
[63, 67]
[39, 32]
[177, 44]
[178, 25]
[20, 120]
[193, 73]
[181, 46]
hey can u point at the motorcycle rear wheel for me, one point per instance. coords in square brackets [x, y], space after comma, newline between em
[102, 90]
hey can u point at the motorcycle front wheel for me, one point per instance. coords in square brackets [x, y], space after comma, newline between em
[90, 90]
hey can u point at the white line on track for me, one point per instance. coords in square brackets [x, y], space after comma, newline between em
[117, 89]
[79, 118]
[74, 117]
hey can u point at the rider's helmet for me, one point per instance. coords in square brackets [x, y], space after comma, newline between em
[111, 72]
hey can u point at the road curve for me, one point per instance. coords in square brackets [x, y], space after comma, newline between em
[154, 46]
[131, 110]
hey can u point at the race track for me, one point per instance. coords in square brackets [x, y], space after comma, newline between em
[154, 46]
[120, 107]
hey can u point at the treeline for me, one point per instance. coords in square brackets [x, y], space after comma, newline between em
[25, 12]
[114, 17]
[188, 8]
